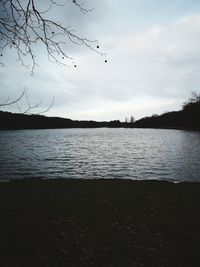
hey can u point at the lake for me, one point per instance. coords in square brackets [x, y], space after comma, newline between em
[139, 154]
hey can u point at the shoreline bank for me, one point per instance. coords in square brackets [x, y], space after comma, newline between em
[99, 223]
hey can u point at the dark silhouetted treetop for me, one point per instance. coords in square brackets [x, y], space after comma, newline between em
[24, 24]
[193, 103]
[187, 118]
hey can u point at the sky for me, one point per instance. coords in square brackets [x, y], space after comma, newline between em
[153, 53]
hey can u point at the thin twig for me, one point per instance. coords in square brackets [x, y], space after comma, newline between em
[23, 25]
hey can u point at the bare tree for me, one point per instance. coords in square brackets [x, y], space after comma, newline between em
[126, 120]
[23, 24]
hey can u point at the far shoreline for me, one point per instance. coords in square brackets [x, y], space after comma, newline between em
[183, 119]
[154, 128]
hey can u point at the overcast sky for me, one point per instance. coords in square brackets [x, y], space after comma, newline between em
[153, 53]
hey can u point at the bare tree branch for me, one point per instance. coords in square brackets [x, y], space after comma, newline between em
[23, 24]
[29, 107]
[81, 7]
[7, 102]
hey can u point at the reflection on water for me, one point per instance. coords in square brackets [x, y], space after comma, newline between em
[100, 153]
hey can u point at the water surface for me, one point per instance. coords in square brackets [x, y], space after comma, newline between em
[140, 154]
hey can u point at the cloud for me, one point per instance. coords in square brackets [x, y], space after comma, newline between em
[161, 58]
[161, 64]
[147, 72]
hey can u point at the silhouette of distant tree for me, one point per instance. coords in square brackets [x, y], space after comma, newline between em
[194, 100]
[132, 119]
[24, 24]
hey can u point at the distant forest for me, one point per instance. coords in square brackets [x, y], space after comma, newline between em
[187, 118]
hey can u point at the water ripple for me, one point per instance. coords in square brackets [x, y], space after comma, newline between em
[100, 153]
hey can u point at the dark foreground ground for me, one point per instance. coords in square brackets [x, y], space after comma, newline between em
[99, 223]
